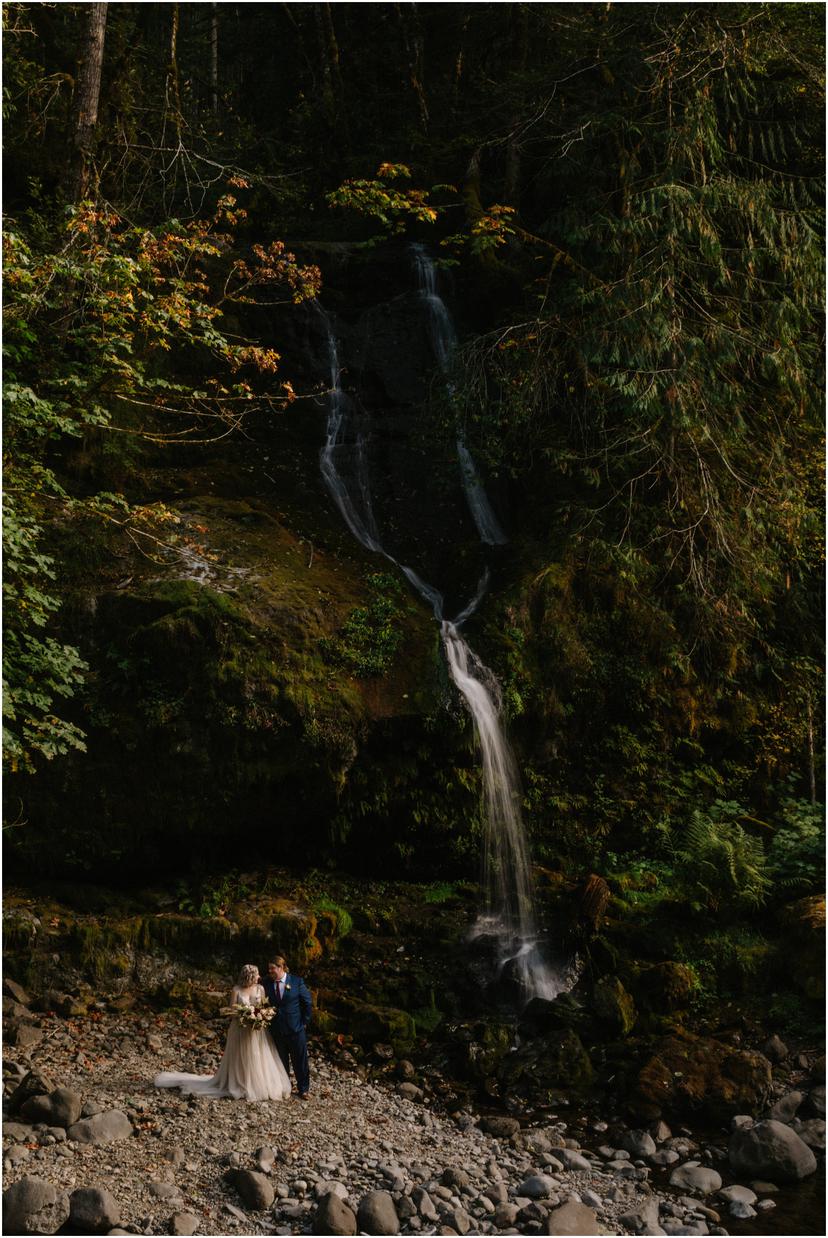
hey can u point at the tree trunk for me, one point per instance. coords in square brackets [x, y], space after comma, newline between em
[214, 98]
[413, 43]
[85, 107]
[811, 764]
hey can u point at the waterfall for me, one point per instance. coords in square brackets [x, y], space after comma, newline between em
[344, 451]
[443, 341]
[508, 916]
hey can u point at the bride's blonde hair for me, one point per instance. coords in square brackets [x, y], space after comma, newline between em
[247, 975]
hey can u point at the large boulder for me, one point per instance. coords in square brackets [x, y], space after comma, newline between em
[571, 1218]
[254, 1188]
[33, 1083]
[24, 1199]
[334, 1216]
[665, 986]
[614, 1005]
[62, 1107]
[101, 1128]
[770, 1150]
[377, 1214]
[694, 1074]
[92, 1210]
[696, 1177]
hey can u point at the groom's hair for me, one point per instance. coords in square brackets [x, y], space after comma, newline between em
[278, 961]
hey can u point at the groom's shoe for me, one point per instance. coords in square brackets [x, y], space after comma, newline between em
[304, 1096]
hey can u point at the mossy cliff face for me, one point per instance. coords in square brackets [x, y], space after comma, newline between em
[222, 715]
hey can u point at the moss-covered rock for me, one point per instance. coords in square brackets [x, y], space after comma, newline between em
[667, 986]
[613, 1005]
[691, 1074]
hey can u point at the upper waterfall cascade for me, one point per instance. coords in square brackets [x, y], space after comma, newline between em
[508, 915]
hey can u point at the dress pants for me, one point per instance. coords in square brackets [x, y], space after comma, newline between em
[293, 1050]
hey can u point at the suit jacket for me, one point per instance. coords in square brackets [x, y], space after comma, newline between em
[293, 1013]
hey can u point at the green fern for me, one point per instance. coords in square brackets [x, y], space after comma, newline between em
[720, 862]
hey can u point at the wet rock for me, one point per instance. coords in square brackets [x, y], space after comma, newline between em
[25, 1199]
[743, 1193]
[377, 1214]
[570, 1218]
[694, 1177]
[770, 1149]
[334, 1216]
[92, 1210]
[785, 1108]
[741, 1211]
[101, 1128]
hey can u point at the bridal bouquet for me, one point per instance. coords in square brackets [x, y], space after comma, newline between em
[254, 1018]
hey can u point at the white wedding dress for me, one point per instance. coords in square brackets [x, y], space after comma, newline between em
[250, 1069]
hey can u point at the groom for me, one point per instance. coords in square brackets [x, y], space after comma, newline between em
[291, 999]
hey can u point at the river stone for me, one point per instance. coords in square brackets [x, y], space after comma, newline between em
[538, 1186]
[254, 1188]
[816, 1100]
[637, 1143]
[101, 1128]
[333, 1216]
[785, 1108]
[570, 1218]
[423, 1203]
[377, 1214]
[572, 1159]
[692, 1177]
[505, 1215]
[664, 1156]
[410, 1091]
[743, 1193]
[22, 1200]
[741, 1211]
[775, 1049]
[184, 1223]
[15, 991]
[500, 1126]
[33, 1083]
[60, 1108]
[458, 1219]
[644, 1219]
[451, 1176]
[770, 1149]
[92, 1210]
[811, 1131]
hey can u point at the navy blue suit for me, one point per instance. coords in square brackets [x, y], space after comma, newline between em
[289, 1027]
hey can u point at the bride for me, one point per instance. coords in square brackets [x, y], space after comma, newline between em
[251, 1068]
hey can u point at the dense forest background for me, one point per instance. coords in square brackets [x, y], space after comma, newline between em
[626, 202]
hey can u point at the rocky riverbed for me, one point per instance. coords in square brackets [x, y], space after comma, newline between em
[91, 1147]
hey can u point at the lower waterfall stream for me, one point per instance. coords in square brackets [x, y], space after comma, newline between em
[508, 915]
